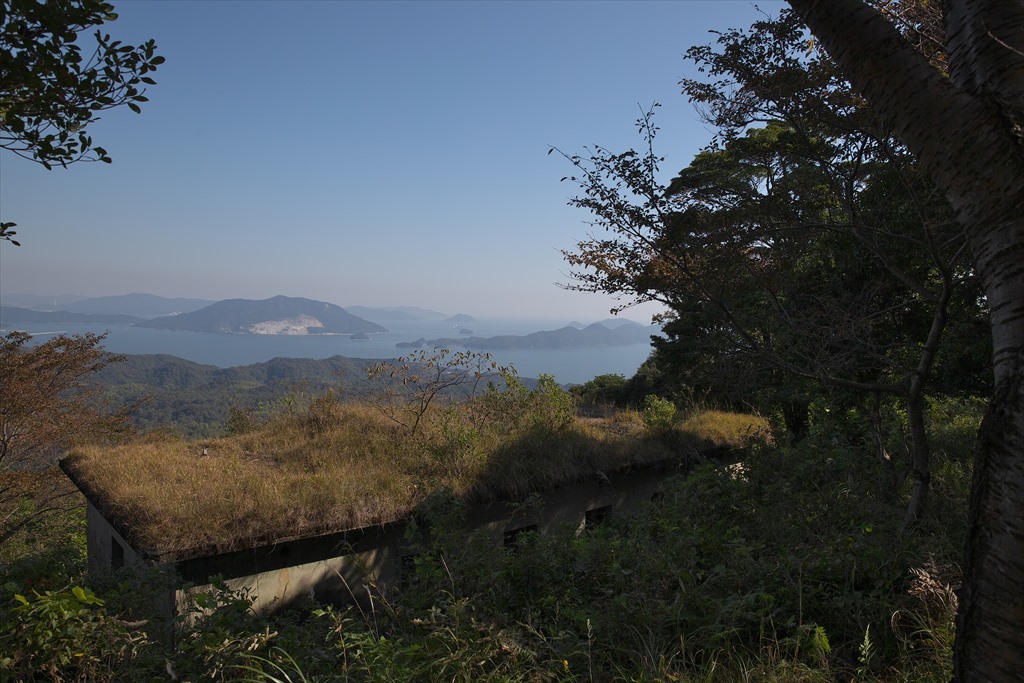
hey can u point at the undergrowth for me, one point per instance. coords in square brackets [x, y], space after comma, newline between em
[789, 565]
[327, 465]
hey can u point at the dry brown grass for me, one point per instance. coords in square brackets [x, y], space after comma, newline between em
[352, 468]
[726, 429]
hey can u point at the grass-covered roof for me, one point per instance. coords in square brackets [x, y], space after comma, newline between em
[331, 467]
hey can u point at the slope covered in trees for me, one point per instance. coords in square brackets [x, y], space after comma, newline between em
[199, 400]
[277, 315]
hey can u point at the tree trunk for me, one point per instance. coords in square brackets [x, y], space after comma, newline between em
[920, 455]
[990, 624]
[884, 457]
[968, 131]
[796, 413]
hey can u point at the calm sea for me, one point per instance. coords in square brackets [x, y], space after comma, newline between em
[569, 366]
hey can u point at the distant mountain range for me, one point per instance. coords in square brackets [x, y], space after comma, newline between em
[137, 305]
[14, 314]
[284, 315]
[141, 305]
[611, 323]
[39, 301]
[277, 315]
[567, 337]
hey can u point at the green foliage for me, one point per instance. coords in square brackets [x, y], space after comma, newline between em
[785, 557]
[203, 401]
[64, 635]
[790, 567]
[601, 392]
[551, 406]
[54, 85]
[410, 384]
[659, 414]
[953, 425]
[802, 248]
[512, 407]
[216, 631]
[46, 554]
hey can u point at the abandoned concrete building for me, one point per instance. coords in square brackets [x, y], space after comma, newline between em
[285, 514]
[350, 563]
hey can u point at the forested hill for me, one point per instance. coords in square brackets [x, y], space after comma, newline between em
[277, 315]
[195, 399]
[568, 337]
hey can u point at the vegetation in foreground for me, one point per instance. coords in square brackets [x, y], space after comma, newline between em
[327, 465]
[788, 566]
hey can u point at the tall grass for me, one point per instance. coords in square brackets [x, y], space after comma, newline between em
[333, 466]
[795, 570]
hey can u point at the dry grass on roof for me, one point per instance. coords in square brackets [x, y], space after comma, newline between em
[294, 477]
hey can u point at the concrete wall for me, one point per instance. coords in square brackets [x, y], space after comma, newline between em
[361, 564]
[107, 549]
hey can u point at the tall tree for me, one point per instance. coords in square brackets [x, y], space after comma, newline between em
[52, 87]
[968, 131]
[48, 402]
[814, 245]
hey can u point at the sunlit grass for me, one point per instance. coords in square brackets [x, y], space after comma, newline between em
[357, 468]
[722, 428]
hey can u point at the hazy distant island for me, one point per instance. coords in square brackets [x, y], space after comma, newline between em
[461, 319]
[16, 314]
[140, 305]
[567, 337]
[277, 315]
[136, 305]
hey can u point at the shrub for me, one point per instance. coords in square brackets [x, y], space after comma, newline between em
[659, 414]
[64, 635]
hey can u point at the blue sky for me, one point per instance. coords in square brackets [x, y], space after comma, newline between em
[385, 153]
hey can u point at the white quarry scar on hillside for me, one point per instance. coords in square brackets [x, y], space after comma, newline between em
[300, 324]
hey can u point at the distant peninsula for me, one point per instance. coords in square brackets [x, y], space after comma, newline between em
[595, 335]
[277, 315]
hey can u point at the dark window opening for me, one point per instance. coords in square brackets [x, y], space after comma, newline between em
[512, 537]
[597, 516]
[116, 554]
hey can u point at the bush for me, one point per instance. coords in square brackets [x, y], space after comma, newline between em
[659, 414]
[64, 635]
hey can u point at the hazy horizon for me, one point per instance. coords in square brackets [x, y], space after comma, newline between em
[67, 298]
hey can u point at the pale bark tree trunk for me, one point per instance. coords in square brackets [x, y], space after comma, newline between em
[968, 131]
[884, 457]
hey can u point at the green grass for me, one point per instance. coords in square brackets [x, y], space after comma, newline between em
[795, 570]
